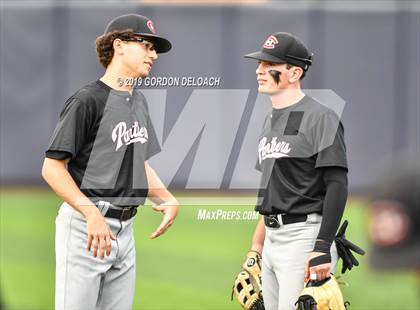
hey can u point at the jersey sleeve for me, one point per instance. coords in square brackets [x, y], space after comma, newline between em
[71, 131]
[258, 166]
[153, 146]
[328, 142]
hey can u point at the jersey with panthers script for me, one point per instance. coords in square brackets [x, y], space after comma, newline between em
[107, 135]
[295, 143]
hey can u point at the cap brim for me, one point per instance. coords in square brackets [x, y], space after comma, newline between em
[265, 57]
[162, 45]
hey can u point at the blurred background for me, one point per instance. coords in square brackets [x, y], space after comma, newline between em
[366, 52]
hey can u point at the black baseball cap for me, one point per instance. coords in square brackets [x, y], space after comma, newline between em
[283, 47]
[140, 25]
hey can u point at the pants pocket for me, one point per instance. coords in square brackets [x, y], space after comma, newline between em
[101, 289]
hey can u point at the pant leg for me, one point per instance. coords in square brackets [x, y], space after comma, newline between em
[290, 276]
[270, 286]
[291, 245]
[79, 275]
[120, 280]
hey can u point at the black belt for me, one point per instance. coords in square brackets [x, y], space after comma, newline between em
[274, 220]
[123, 214]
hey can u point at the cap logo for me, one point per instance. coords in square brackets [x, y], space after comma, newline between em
[150, 26]
[271, 42]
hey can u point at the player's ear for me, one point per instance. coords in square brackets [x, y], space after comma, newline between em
[295, 74]
[117, 44]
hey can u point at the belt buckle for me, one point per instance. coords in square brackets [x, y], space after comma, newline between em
[125, 214]
[273, 221]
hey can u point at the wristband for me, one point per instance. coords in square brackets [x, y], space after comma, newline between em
[322, 246]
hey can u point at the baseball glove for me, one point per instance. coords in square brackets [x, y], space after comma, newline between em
[247, 287]
[321, 295]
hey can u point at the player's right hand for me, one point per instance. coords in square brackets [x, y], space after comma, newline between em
[170, 211]
[99, 234]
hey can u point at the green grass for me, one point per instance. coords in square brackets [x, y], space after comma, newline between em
[190, 267]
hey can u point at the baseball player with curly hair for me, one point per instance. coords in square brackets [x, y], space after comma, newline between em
[303, 192]
[97, 162]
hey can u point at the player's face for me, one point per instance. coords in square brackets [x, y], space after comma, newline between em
[139, 56]
[266, 82]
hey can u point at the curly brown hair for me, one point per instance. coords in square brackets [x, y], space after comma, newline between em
[104, 48]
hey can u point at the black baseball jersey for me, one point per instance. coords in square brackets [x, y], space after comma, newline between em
[295, 142]
[108, 135]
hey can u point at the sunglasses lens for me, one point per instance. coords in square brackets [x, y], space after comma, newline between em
[149, 45]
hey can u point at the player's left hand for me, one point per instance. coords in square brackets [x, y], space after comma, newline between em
[322, 271]
[170, 211]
